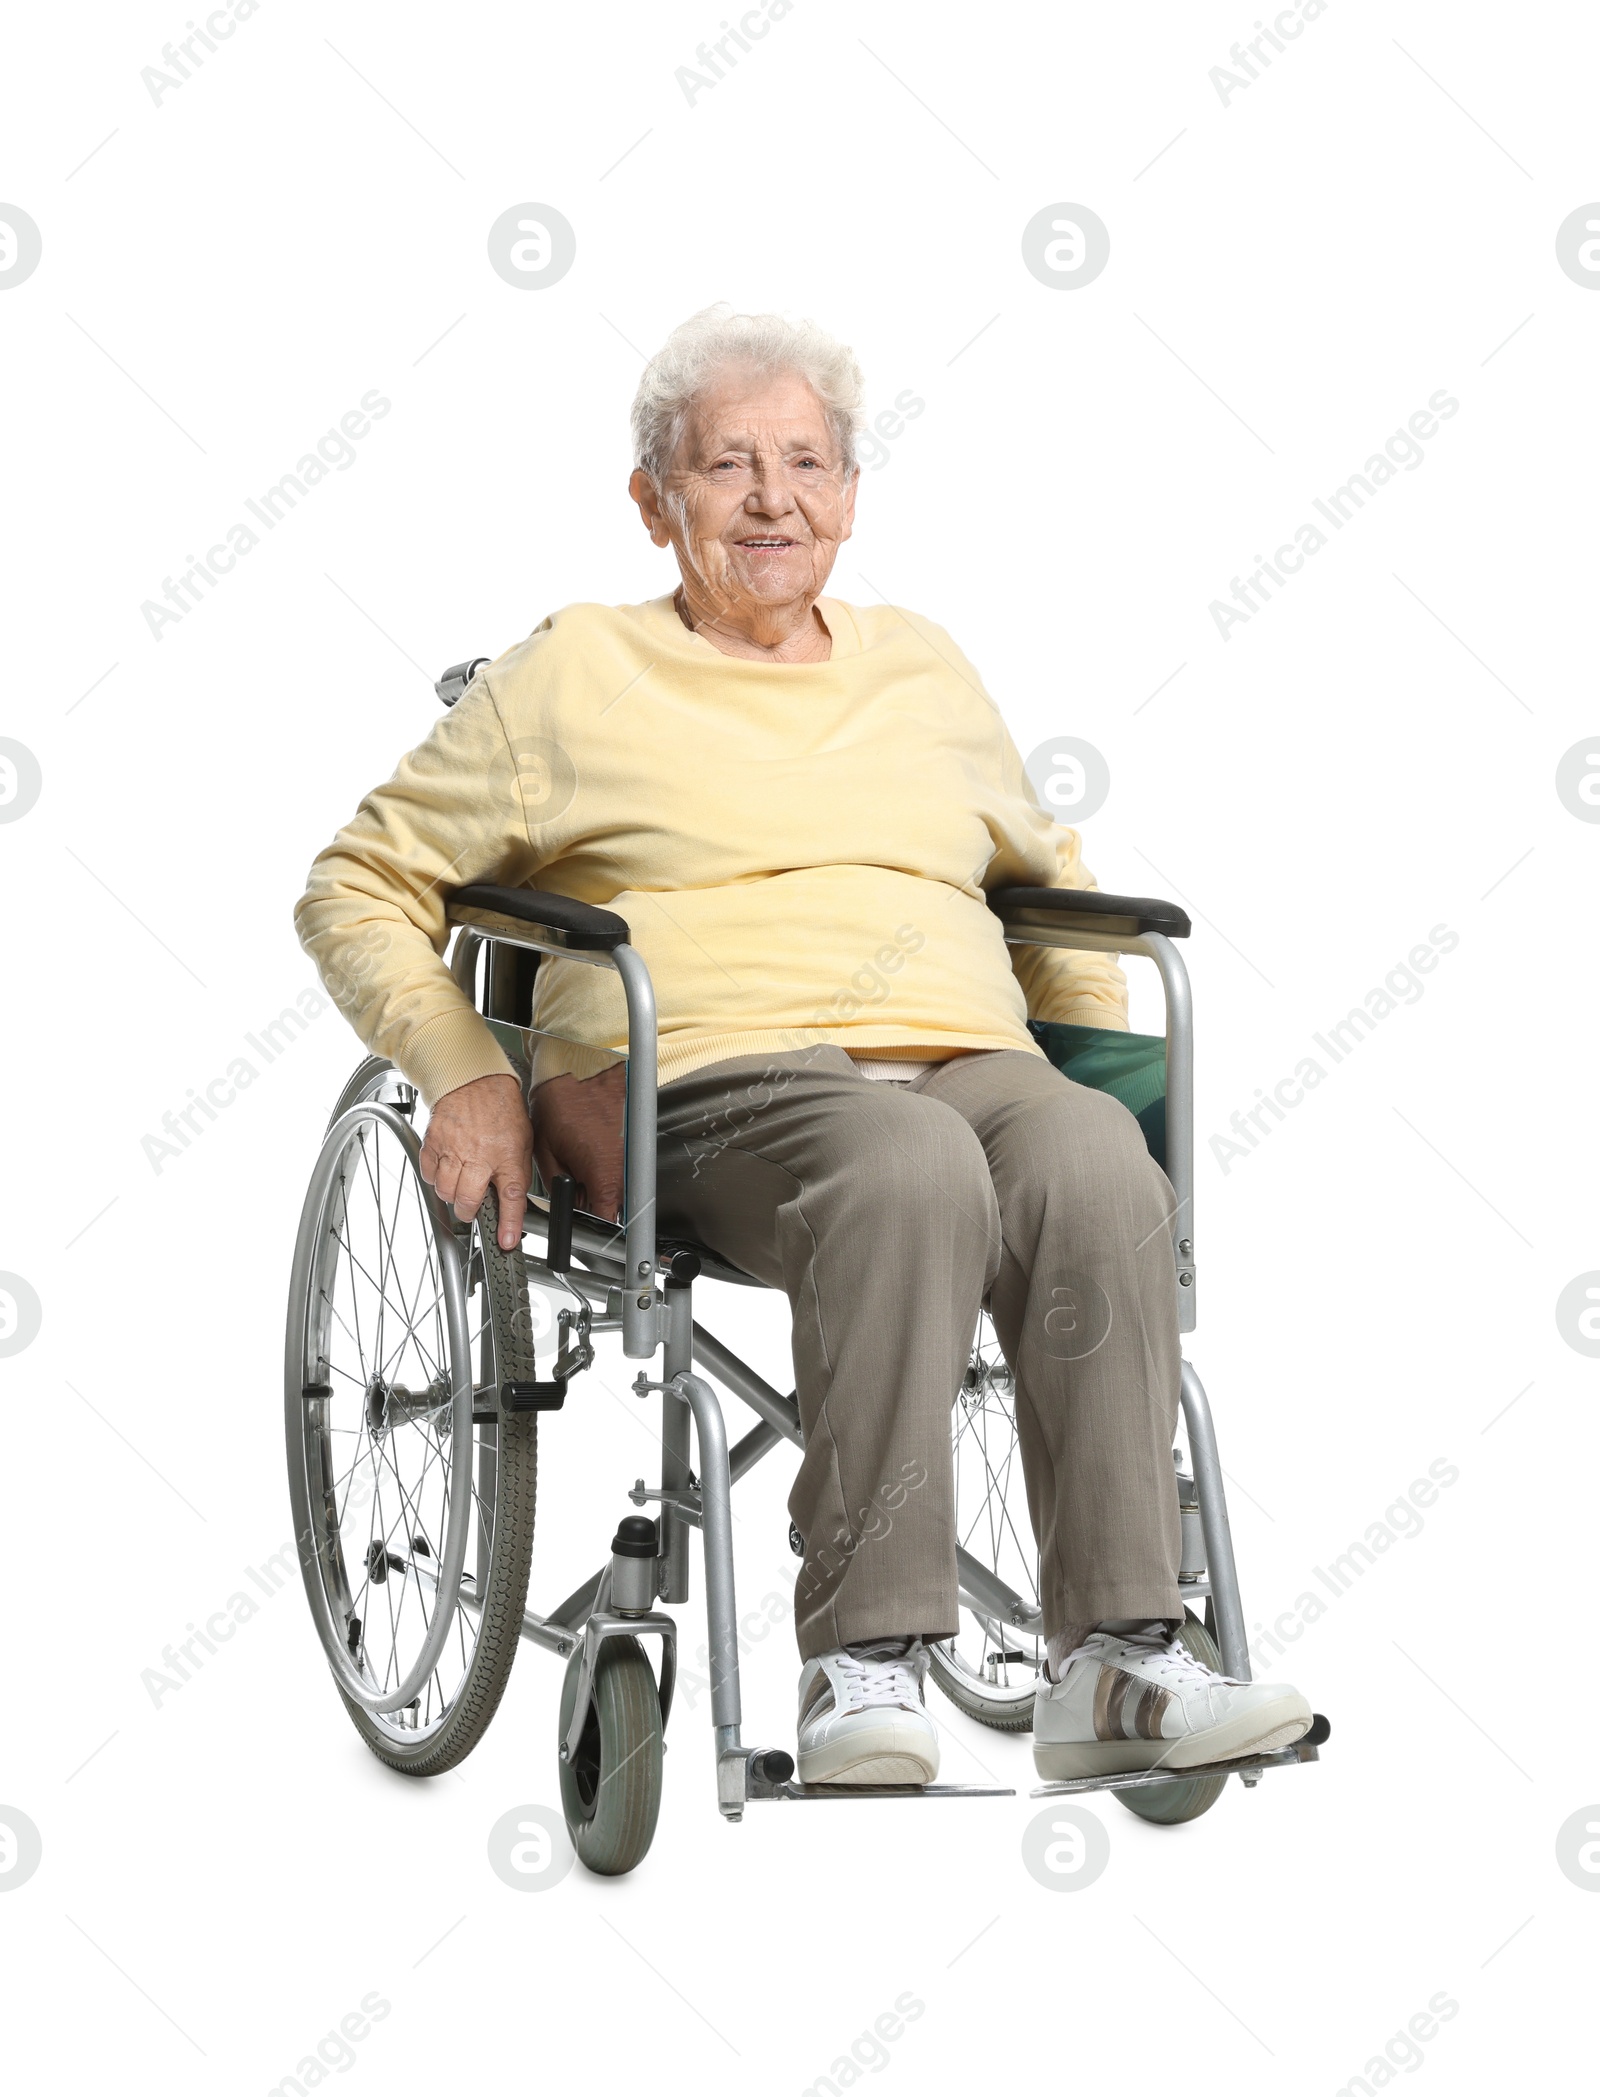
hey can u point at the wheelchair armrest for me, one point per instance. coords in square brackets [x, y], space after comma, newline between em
[562, 920]
[1089, 910]
[561, 924]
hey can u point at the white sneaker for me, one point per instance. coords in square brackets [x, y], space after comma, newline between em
[1145, 1702]
[863, 1719]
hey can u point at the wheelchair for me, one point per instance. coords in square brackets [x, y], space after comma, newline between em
[413, 1395]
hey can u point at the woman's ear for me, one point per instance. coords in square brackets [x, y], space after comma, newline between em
[646, 494]
[849, 505]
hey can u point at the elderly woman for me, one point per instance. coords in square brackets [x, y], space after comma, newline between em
[798, 806]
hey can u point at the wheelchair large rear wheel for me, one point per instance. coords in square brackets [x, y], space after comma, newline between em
[989, 1669]
[413, 1498]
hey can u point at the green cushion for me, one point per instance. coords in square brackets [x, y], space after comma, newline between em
[1131, 1067]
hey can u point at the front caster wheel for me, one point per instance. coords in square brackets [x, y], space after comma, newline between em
[1185, 1798]
[611, 1788]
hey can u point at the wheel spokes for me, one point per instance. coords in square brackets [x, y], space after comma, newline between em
[390, 1470]
[987, 1473]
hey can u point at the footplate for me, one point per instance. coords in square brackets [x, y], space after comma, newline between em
[1130, 1780]
[768, 1773]
[887, 1791]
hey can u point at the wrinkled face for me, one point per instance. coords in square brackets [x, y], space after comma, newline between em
[756, 503]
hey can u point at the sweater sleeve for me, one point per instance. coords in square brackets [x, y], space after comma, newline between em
[373, 914]
[1068, 984]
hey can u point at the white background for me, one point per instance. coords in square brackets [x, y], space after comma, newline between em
[1374, 754]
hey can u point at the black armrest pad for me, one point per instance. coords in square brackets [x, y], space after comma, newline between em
[580, 924]
[1093, 908]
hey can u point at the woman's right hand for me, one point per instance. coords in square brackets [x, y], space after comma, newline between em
[577, 1129]
[478, 1135]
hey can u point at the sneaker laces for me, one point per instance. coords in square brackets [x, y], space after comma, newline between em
[1168, 1646]
[880, 1676]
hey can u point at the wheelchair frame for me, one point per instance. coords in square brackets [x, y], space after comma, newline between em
[651, 1305]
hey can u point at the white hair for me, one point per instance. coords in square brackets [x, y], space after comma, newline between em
[716, 337]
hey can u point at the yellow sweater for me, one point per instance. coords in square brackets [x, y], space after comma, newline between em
[801, 851]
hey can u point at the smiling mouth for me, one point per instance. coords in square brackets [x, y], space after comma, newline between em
[768, 545]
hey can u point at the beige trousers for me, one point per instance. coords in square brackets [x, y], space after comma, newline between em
[889, 1215]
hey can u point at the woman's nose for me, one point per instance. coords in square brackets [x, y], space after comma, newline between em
[771, 496]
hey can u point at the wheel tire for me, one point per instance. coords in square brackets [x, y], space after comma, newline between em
[368, 1080]
[1004, 1717]
[611, 1789]
[477, 1695]
[1185, 1798]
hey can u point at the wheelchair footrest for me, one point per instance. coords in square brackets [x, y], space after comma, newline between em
[803, 1791]
[534, 1397]
[748, 1774]
[1281, 1758]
